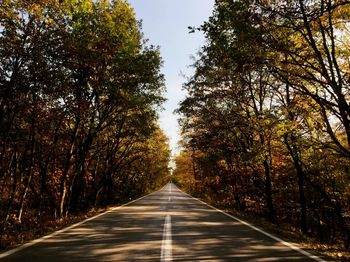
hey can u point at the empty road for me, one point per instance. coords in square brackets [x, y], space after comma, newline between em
[167, 225]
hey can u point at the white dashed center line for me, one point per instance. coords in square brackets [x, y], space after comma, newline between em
[166, 254]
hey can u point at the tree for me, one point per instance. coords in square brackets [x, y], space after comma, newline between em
[268, 98]
[79, 94]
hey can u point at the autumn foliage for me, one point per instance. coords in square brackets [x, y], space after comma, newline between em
[79, 94]
[266, 120]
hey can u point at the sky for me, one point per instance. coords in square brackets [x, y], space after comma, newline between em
[165, 23]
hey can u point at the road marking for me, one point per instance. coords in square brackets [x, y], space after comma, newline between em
[36, 241]
[281, 241]
[166, 254]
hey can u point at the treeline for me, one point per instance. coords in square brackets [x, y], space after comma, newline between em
[266, 122]
[79, 94]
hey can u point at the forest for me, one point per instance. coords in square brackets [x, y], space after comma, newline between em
[266, 120]
[80, 91]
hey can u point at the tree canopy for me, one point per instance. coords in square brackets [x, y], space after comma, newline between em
[79, 93]
[266, 118]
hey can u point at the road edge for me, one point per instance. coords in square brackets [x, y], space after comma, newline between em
[281, 241]
[41, 239]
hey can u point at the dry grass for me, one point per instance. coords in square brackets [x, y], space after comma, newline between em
[331, 252]
[32, 228]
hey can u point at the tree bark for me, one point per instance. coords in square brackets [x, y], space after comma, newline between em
[268, 192]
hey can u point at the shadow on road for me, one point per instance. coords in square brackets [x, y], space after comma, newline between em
[134, 233]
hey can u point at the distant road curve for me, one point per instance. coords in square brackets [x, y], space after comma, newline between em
[167, 225]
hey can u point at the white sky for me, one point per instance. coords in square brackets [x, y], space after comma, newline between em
[165, 24]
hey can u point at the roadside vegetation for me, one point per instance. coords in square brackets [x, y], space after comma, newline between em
[79, 93]
[266, 122]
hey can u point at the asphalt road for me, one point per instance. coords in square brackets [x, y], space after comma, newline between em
[167, 225]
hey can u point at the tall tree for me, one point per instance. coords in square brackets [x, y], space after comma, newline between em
[268, 98]
[79, 94]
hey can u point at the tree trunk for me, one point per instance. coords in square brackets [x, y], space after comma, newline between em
[293, 151]
[31, 167]
[268, 192]
[24, 195]
[302, 199]
[77, 186]
[337, 211]
[13, 174]
[63, 188]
